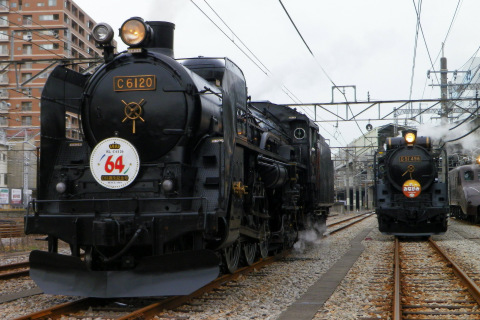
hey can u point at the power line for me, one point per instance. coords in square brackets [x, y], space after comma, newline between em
[265, 69]
[425, 41]
[286, 91]
[235, 35]
[318, 63]
[450, 27]
[415, 47]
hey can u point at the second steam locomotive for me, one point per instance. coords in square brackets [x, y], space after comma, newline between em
[178, 174]
[411, 187]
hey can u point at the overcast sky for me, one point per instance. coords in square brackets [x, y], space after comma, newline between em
[366, 43]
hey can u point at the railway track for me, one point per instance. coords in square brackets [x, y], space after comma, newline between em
[145, 312]
[78, 308]
[15, 270]
[344, 225]
[429, 285]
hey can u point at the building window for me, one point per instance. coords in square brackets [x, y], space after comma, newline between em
[48, 17]
[26, 76]
[26, 120]
[40, 4]
[4, 21]
[3, 122]
[4, 78]
[49, 46]
[13, 5]
[26, 106]
[3, 35]
[27, 20]
[27, 49]
[52, 3]
[4, 93]
[3, 49]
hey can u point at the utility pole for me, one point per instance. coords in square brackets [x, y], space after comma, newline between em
[444, 89]
[347, 181]
[26, 164]
[445, 110]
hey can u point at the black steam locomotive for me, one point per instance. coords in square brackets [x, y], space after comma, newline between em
[178, 174]
[464, 186]
[411, 195]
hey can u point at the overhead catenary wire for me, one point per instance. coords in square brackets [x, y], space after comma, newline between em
[415, 47]
[459, 3]
[318, 63]
[425, 42]
[466, 134]
[257, 64]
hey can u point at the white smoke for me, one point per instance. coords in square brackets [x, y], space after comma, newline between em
[467, 145]
[167, 10]
[309, 237]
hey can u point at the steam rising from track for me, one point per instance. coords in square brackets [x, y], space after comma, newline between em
[311, 236]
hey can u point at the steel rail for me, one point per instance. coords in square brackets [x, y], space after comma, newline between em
[351, 218]
[19, 265]
[56, 312]
[397, 302]
[346, 226]
[151, 311]
[14, 274]
[473, 288]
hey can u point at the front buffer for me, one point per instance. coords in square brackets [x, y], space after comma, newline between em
[172, 274]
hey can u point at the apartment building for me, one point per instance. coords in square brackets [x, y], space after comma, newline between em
[35, 36]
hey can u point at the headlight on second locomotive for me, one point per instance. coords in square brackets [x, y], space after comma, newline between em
[134, 32]
[410, 137]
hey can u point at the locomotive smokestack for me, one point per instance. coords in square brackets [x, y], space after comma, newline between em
[163, 33]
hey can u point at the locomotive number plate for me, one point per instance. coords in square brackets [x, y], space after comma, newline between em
[134, 83]
[410, 159]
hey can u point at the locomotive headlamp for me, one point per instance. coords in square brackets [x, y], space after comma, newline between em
[410, 137]
[477, 160]
[134, 31]
[102, 33]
